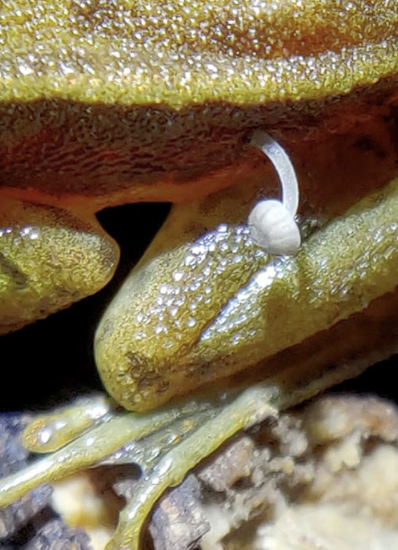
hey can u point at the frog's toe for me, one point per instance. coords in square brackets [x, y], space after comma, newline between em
[250, 407]
[48, 259]
[87, 433]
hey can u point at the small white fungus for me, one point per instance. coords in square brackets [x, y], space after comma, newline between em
[271, 222]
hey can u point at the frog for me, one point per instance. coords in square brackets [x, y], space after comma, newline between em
[106, 103]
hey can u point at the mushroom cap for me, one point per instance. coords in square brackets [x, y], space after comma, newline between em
[273, 228]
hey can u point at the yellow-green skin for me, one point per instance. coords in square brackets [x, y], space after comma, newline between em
[105, 103]
[179, 53]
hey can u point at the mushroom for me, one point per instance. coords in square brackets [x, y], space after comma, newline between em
[272, 224]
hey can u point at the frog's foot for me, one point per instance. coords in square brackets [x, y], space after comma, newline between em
[83, 435]
[48, 259]
[166, 444]
[182, 436]
[250, 407]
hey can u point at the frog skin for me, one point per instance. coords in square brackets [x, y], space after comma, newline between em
[104, 103]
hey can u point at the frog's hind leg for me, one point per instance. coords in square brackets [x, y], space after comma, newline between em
[48, 259]
[238, 411]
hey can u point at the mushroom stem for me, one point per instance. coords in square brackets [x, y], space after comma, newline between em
[282, 164]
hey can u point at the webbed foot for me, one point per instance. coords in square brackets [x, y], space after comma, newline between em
[166, 444]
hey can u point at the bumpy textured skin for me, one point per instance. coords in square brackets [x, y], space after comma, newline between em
[222, 327]
[124, 90]
[48, 259]
[101, 95]
[183, 52]
[96, 95]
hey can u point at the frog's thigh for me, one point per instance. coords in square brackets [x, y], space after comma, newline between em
[190, 271]
[217, 304]
[48, 259]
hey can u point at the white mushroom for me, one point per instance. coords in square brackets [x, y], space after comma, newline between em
[272, 224]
